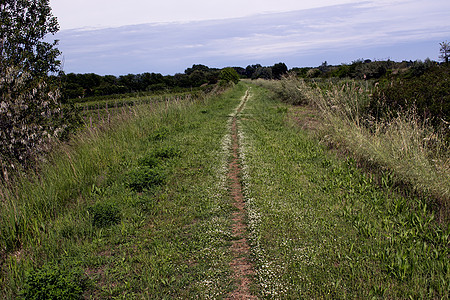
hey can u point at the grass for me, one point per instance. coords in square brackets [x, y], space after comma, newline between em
[140, 208]
[95, 112]
[87, 208]
[321, 228]
[415, 154]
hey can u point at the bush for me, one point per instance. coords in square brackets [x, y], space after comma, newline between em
[53, 282]
[104, 215]
[428, 94]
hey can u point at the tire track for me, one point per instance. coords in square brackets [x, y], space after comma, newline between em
[241, 265]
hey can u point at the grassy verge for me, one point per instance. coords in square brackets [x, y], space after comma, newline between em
[139, 210]
[323, 229]
[415, 155]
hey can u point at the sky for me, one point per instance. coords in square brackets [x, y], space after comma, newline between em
[137, 36]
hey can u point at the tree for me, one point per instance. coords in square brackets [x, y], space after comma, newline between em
[324, 67]
[23, 26]
[202, 68]
[279, 70]
[263, 72]
[251, 69]
[229, 75]
[30, 112]
[445, 51]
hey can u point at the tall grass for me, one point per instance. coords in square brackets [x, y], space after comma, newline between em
[413, 153]
[31, 201]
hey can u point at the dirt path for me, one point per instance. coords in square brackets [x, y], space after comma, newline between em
[240, 264]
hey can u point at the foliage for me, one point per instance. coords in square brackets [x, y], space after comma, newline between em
[30, 113]
[428, 93]
[401, 142]
[263, 73]
[30, 118]
[445, 51]
[80, 86]
[143, 178]
[278, 70]
[251, 69]
[54, 282]
[320, 227]
[172, 241]
[23, 26]
[149, 172]
[286, 90]
[229, 75]
[165, 153]
[360, 69]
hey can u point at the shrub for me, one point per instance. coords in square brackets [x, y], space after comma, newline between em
[429, 93]
[288, 89]
[54, 282]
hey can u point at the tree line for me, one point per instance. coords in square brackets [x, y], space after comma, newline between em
[79, 86]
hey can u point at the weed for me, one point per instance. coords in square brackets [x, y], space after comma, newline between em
[145, 204]
[166, 153]
[149, 160]
[54, 282]
[159, 134]
[144, 178]
[104, 215]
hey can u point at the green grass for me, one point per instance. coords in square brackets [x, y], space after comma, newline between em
[88, 208]
[416, 154]
[98, 112]
[321, 228]
[139, 208]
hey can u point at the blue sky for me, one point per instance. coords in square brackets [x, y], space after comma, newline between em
[169, 36]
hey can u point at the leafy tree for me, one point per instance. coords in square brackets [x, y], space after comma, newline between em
[279, 70]
[445, 51]
[30, 112]
[250, 69]
[229, 75]
[263, 72]
[23, 26]
[324, 67]
[201, 68]
[241, 71]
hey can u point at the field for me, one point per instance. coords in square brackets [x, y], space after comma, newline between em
[147, 206]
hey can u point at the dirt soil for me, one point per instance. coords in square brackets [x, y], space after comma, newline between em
[241, 265]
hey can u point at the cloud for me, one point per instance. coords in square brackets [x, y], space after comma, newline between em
[300, 37]
[108, 13]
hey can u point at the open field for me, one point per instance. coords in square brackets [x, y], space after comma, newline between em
[145, 208]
